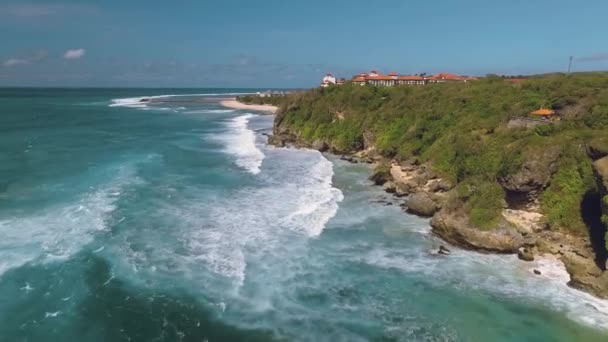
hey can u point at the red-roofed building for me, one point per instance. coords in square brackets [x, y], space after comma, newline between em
[411, 79]
[377, 79]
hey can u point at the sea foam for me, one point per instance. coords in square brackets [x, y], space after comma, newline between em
[499, 274]
[240, 141]
[57, 232]
[222, 235]
[135, 102]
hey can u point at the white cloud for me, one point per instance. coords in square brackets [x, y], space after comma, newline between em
[29, 59]
[74, 53]
[15, 61]
[29, 10]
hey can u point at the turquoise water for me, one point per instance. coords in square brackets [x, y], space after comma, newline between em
[172, 220]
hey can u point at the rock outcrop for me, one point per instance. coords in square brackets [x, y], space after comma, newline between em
[533, 176]
[585, 275]
[456, 229]
[421, 204]
[320, 145]
[600, 170]
[525, 254]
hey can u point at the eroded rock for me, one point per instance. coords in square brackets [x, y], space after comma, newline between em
[421, 204]
[456, 229]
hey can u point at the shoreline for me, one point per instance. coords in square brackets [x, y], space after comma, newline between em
[411, 182]
[234, 104]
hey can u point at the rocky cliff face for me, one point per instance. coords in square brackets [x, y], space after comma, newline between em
[600, 169]
[524, 186]
[456, 229]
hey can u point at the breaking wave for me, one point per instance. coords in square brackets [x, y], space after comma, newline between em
[136, 102]
[240, 141]
[498, 274]
[248, 227]
[58, 232]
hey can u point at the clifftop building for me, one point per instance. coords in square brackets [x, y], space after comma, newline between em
[377, 79]
[328, 80]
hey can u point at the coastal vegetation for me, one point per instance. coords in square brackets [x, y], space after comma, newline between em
[273, 100]
[461, 131]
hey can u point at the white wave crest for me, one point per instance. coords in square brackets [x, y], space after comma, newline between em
[317, 201]
[261, 229]
[499, 274]
[240, 142]
[58, 232]
[136, 102]
[210, 111]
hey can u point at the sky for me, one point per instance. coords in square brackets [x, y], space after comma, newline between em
[290, 43]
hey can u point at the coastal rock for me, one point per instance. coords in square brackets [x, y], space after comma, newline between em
[380, 175]
[443, 250]
[421, 204]
[440, 185]
[525, 254]
[320, 145]
[598, 148]
[389, 187]
[585, 275]
[537, 272]
[535, 173]
[456, 229]
[405, 188]
[600, 168]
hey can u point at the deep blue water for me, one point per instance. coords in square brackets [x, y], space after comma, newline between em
[172, 220]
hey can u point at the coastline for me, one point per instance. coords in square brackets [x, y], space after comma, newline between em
[419, 191]
[234, 104]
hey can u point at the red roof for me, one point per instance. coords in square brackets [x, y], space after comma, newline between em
[359, 79]
[393, 74]
[381, 78]
[411, 78]
[447, 76]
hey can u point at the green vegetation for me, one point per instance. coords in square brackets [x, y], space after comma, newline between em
[461, 131]
[561, 202]
[274, 100]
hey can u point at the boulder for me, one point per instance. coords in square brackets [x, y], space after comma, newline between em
[389, 187]
[600, 169]
[443, 250]
[405, 188]
[585, 275]
[320, 145]
[535, 173]
[421, 204]
[525, 254]
[456, 229]
[440, 185]
[598, 148]
[419, 179]
[380, 175]
[537, 272]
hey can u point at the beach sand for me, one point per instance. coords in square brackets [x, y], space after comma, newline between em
[233, 103]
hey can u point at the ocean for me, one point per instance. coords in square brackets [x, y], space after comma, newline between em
[173, 220]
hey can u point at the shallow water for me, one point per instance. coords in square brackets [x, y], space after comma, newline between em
[172, 220]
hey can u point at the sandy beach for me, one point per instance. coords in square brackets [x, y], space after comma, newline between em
[233, 103]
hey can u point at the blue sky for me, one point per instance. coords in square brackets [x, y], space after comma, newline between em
[290, 43]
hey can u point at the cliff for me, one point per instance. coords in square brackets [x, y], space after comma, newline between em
[450, 149]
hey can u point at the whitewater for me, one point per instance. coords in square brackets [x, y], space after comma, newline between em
[171, 219]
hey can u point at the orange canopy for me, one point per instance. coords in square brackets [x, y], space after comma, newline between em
[543, 111]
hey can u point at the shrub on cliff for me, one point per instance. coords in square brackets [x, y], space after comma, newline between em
[561, 202]
[460, 129]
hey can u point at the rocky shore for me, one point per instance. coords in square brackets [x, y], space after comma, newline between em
[521, 230]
